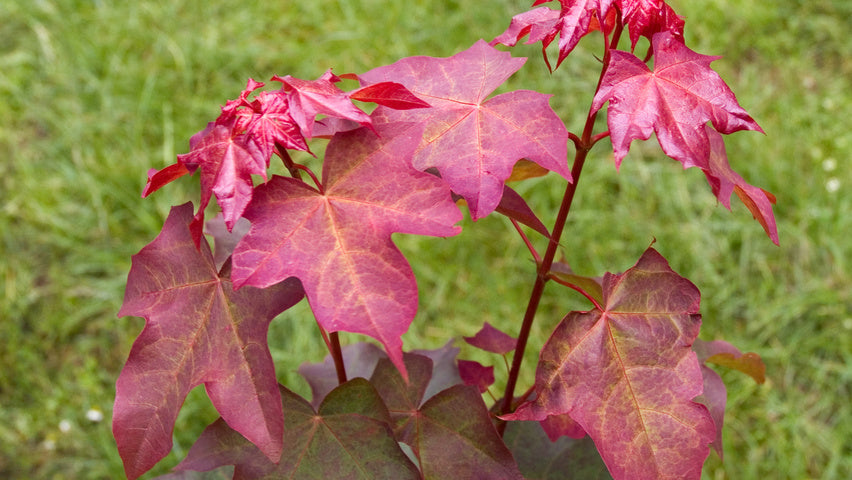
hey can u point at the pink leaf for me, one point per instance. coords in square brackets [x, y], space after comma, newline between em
[471, 140]
[198, 330]
[627, 374]
[236, 146]
[490, 339]
[267, 122]
[675, 101]
[338, 242]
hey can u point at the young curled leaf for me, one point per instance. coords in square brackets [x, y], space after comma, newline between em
[389, 94]
[476, 374]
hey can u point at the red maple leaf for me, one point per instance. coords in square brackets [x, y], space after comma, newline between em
[309, 98]
[267, 122]
[338, 241]
[198, 330]
[571, 23]
[227, 162]
[241, 141]
[675, 101]
[626, 373]
[644, 18]
[389, 94]
[577, 18]
[471, 140]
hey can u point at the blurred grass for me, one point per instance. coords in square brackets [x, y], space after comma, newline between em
[93, 93]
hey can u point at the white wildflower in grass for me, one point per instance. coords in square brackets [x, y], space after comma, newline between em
[64, 426]
[94, 415]
[829, 164]
[832, 185]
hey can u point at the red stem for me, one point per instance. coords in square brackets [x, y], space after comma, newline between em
[526, 240]
[337, 355]
[579, 289]
[332, 341]
[583, 144]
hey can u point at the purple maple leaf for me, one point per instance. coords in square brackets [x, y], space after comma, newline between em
[493, 340]
[198, 330]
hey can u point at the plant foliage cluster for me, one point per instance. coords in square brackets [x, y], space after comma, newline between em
[622, 389]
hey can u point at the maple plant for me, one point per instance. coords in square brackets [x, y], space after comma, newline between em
[623, 389]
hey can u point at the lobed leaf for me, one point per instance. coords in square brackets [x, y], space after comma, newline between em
[627, 375]
[337, 242]
[473, 141]
[198, 330]
[451, 433]
[675, 101]
[227, 162]
[644, 18]
[578, 18]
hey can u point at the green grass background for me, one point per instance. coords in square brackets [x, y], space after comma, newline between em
[93, 93]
